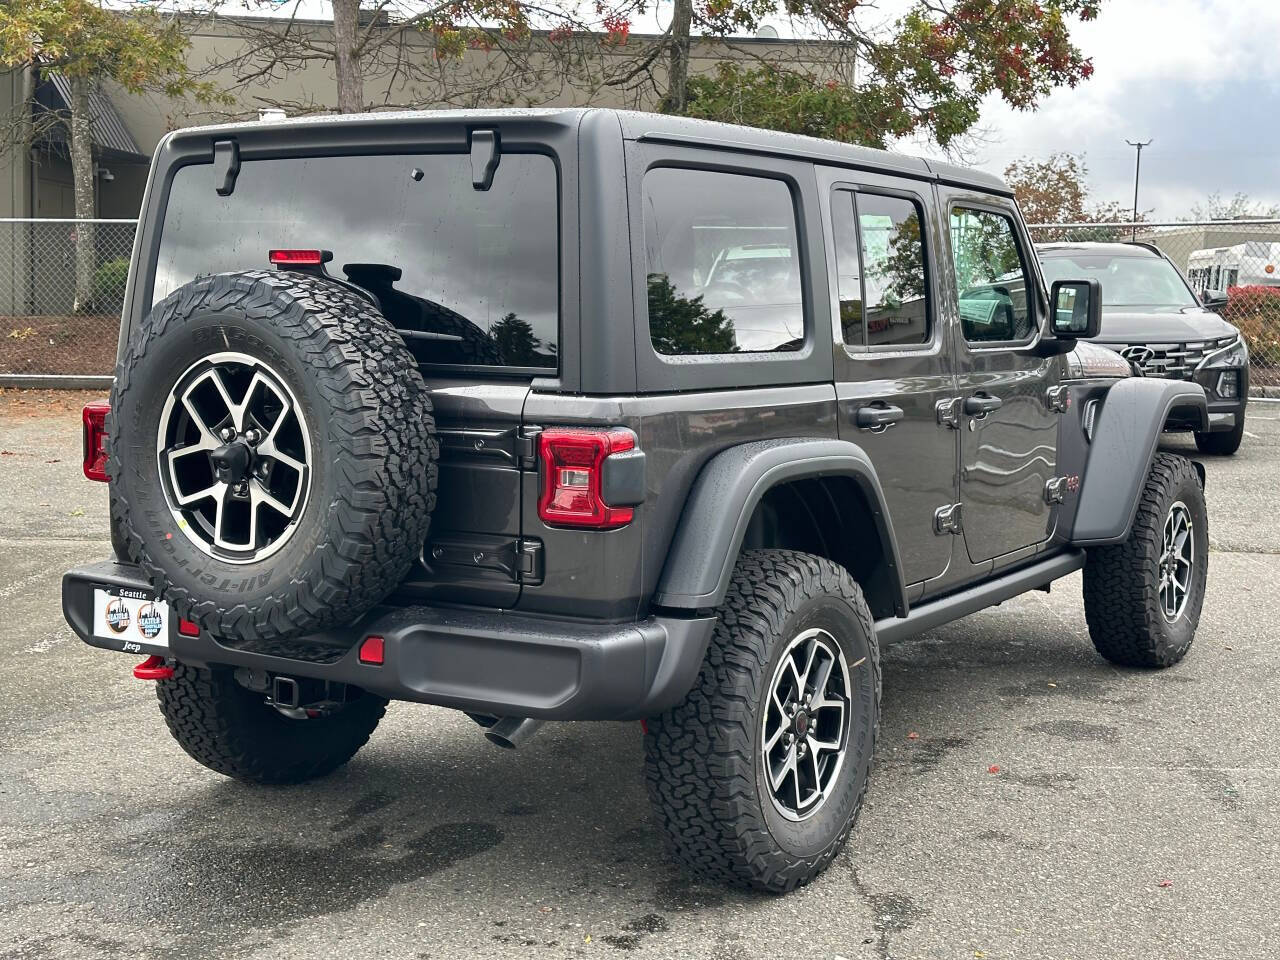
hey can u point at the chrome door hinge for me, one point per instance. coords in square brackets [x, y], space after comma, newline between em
[527, 446]
[1058, 399]
[1055, 490]
[947, 519]
[948, 412]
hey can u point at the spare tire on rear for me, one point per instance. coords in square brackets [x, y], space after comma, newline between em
[273, 455]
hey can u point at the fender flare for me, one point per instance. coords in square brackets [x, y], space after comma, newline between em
[726, 494]
[1124, 444]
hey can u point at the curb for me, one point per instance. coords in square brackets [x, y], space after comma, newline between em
[54, 381]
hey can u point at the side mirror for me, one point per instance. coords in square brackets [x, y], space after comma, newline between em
[1077, 309]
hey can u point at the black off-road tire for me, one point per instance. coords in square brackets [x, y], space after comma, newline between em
[231, 730]
[375, 453]
[1221, 443]
[702, 757]
[1122, 604]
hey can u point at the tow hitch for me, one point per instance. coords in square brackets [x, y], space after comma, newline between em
[297, 698]
[153, 668]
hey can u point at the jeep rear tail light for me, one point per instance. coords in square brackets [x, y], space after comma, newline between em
[95, 439]
[574, 492]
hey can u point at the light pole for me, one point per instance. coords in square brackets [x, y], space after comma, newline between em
[1137, 171]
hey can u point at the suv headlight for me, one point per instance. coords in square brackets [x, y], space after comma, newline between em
[1234, 354]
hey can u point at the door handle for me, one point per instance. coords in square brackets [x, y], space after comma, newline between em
[980, 404]
[877, 417]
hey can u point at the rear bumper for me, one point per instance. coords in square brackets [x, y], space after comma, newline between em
[484, 662]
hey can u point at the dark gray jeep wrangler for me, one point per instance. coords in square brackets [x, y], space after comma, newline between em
[587, 415]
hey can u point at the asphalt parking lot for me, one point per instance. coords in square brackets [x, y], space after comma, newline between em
[1133, 814]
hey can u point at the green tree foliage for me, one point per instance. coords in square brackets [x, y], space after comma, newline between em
[682, 325]
[140, 48]
[517, 345]
[927, 72]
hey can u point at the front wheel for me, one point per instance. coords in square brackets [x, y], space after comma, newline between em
[1224, 443]
[758, 776]
[1142, 597]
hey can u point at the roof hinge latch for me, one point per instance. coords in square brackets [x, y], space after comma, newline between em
[226, 166]
[484, 158]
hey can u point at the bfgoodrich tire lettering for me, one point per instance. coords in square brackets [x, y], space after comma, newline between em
[1126, 609]
[373, 453]
[704, 763]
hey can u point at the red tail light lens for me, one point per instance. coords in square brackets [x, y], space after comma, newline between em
[95, 439]
[297, 258]
[187, 628]
[572, 477]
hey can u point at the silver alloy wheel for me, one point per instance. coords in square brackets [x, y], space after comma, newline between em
[805, 730]
[1177, 555]
[234, 454]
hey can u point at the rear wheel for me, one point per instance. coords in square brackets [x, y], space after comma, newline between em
[232, 730]
[1142, 597]
[758, 776]
[1223, 443]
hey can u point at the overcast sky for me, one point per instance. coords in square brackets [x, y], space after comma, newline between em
[1201, 78]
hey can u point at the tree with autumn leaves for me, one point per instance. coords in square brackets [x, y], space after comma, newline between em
[139, 49]
[927, 72]
[851, 77]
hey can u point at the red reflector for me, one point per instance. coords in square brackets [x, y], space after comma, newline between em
[95, 439]
[188, 629]
[372, 651]
[153, 668]
[297, 258]
[572, 476]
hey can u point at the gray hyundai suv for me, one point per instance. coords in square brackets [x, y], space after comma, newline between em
[1153, 318]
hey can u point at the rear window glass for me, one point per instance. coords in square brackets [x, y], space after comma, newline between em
[481, 266]
[723, 263]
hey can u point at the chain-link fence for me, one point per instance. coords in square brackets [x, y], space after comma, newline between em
[56, 318]
[1234, 265]
[59, 315]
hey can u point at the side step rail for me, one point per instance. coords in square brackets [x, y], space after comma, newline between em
[934, 613]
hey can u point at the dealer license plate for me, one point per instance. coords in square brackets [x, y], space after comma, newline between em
[130, 617]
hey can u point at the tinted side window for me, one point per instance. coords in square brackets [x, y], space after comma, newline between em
[992, 280]
[481, 266]
[893, 270]
[722, 262]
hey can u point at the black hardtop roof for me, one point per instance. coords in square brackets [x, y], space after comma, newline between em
[635, 125]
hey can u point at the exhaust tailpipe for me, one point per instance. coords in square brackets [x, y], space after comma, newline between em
[510, 732]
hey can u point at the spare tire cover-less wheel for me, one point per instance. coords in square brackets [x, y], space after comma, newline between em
[273, 455]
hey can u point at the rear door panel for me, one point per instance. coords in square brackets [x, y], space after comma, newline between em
[915, 458]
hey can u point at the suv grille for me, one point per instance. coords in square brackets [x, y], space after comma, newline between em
[1175, 361]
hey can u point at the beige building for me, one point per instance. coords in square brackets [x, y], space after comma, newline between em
[127, 127]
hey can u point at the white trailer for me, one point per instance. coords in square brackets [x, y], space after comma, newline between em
[1252, 263]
